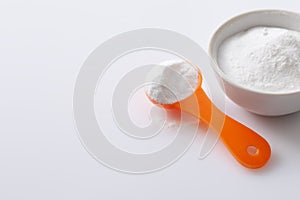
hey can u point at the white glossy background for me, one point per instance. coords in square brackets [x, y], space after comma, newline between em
[42, 46]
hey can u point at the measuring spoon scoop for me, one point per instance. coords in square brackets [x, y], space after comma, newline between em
[248, 148]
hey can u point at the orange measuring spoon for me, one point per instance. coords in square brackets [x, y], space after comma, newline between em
[249, 148]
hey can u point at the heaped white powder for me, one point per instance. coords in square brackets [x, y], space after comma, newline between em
[263, 58]
[175, 81]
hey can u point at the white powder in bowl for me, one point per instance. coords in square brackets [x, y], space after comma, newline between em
[263, 58]
[175, 81]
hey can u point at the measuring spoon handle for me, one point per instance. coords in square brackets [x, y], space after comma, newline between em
[249, 148]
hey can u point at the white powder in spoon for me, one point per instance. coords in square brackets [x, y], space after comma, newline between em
[263, 58]
[174, 81]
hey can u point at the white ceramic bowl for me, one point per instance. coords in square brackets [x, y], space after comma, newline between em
[263, 103]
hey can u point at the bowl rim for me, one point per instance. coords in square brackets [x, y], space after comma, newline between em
[224, 76]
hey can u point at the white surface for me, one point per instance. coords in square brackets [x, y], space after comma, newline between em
[43, 45]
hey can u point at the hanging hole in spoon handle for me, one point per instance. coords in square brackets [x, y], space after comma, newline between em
[249, 148]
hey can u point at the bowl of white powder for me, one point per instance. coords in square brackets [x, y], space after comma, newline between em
[257, 58]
